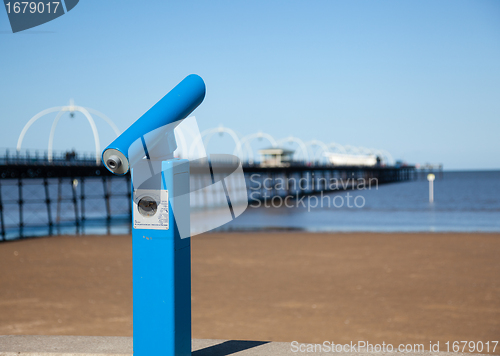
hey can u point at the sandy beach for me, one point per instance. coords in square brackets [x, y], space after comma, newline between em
[379, 287]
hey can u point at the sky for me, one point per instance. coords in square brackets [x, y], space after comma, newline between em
[420, 79]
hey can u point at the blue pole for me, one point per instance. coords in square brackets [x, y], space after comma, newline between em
[161, 254]
[162, 272]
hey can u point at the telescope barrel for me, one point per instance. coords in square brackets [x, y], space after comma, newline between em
[174, 106]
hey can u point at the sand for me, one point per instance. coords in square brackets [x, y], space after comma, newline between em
[393, 288]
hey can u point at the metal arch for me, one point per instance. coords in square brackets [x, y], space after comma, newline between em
[317, 143]
[380, 154]
[105, 118]
[221, 129]
[62, 109]
[337, 147]
[208, 135]
[365, 150]
[32, 121]
[92, 125]
[94, 131]
[388, 156]
[52, 132]
[352, 149]
[299, 142]
[384, 155]
[248, 140]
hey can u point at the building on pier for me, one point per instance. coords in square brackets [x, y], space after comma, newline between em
[343, 159]
[276, 157]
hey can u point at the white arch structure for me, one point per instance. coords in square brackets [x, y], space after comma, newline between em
[105, 118]
[32, 121]
[204, 138]
[244, 142]
[71, 109]
[387, 155]
[352, 149]
[316, 143]
[207, 135]
[364, 150]
[336, 146]
[247, 140]
[384, 155]
[299, 142]
[92, 126]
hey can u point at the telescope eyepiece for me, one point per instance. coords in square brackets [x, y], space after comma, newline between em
[114, 162]
[149, 130]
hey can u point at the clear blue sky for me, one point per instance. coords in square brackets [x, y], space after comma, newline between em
[420, 79]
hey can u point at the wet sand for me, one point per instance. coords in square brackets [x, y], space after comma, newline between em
[396, 288]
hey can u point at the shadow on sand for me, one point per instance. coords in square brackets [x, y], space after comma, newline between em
[227, 348]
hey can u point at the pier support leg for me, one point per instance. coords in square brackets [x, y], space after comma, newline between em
[47, 204]
[82, 203]
[74, 183]
[106, 203]
[59, 198]
[21, 207]
[2, 223]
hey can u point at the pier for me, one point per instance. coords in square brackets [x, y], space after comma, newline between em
[71, 193]
[50, 193]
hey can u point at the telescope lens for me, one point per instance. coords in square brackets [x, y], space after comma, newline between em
[114, 162]
[147, 206]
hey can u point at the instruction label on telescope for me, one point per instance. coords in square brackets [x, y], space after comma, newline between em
[150, 209]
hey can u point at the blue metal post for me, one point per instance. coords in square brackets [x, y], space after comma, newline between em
[161, 254]
[162, 273]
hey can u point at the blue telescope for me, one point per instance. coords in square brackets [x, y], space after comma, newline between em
[121, 154]
[161, 248]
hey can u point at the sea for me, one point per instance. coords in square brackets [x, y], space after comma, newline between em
[466, 201]
[463, 202]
